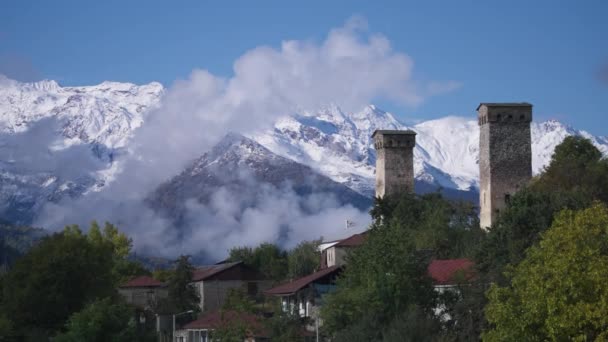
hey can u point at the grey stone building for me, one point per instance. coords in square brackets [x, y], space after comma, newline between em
[394, 161]
[505, 155]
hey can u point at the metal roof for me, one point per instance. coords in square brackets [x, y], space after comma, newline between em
[298, 284]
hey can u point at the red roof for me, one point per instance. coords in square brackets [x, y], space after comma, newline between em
[298, 284]
[143, 281]
[216, 319]
[353, 241]
[443, 272]
[204, 272]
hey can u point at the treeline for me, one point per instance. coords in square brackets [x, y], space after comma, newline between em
[64, 286]
[65, 282]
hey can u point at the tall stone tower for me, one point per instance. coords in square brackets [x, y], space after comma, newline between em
[394, 161]
[505, 155]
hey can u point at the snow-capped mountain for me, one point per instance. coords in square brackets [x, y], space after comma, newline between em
[339, 145]
[256, 172]
[63, 141]
[97, 123]
[106, 113]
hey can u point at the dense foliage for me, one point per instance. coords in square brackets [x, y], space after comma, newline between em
[183, 296]
[277, 264]
[60, 276]
[576, 176]
[102, 320]
[385, 284]
[558, 292]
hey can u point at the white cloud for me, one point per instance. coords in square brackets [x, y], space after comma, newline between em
[352, 67]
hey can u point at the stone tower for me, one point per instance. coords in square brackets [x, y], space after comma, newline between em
[505, 155]
[394, 161]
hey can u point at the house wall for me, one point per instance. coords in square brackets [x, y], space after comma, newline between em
[336, 256]
[143, 297]
[213, 293]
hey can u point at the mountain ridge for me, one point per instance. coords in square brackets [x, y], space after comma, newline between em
[99, 122]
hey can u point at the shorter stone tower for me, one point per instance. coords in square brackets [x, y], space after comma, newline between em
[505, 155]
[394, 161]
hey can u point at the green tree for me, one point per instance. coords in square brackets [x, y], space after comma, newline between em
[120, 244]
[558, 292]
[386, 275]
[284, 327]
[304, 259]
[576, 176]
[56, 278]
[182, 293]
[232, 329]
[238, 300]
[570, 165]
[102, 320]
[415, 325]
[267, 258]
[162, 274]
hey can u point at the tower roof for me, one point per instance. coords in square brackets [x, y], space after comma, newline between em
[393, 132]
[504, 104]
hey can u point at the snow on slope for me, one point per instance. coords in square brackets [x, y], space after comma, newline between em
[339, 145]
[102, 118]
[63, 141]
[106, 113]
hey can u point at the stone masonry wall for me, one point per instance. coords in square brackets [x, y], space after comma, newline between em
[394, 162]
[505, 158]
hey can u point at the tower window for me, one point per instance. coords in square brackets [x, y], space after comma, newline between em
[510, 117]
[498, 117]
[507, 198]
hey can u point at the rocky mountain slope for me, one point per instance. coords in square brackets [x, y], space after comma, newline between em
[241, 168]
[45, 129]
[63, 141]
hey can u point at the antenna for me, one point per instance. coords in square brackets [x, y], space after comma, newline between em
[350, 224]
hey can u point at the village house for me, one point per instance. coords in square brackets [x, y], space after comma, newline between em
[143, 292]
[201, 330]
[213, 283]
[334, 252]
[304, 296]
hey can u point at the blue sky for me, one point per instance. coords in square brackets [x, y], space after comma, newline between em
[548, 53]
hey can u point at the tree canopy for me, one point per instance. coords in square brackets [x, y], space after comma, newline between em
[61, 274]
[182, 293]
[102, 320]
[386, 279]
[56, 278]
[558, 292]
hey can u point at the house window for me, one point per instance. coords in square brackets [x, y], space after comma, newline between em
[507, 198]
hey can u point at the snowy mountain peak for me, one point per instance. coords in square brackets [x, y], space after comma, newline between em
[100, 120]
[44, 85]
